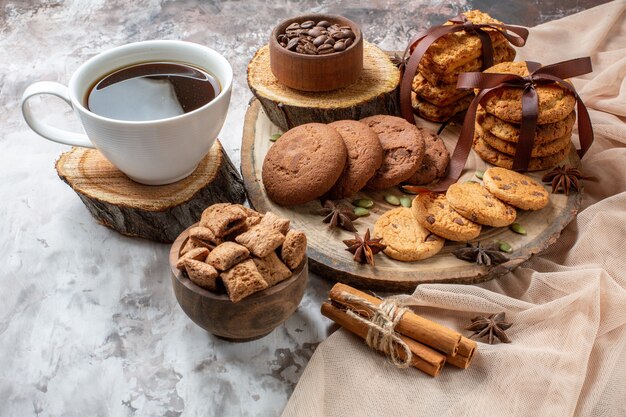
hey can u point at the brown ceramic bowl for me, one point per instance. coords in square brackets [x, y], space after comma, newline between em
[316, 72]
[251, 318]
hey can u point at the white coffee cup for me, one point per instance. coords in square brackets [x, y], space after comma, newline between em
[150, 152]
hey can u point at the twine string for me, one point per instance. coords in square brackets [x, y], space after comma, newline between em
[381, 334]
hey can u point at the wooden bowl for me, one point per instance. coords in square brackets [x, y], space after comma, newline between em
[249, 319]
[316, 72]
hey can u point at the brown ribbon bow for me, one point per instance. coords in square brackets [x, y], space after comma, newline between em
[422, 41]
[491, 82]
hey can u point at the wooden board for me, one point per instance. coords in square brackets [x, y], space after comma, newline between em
[327, 254]
[155, 212]
[374, 92]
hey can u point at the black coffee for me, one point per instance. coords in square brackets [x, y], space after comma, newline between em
[152, 91]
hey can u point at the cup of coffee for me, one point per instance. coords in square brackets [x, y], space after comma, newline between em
[153, 108]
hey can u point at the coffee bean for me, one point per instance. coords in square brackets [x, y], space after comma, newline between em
[292, 44]
[339, 46]
[313, 38]
[320, 40]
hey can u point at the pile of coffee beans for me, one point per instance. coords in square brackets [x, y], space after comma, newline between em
[316, 38]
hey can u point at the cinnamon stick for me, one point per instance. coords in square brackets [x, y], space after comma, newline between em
[464, 356]
[424, 358]
[411, 325]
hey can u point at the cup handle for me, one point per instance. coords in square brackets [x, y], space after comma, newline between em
[43, 129]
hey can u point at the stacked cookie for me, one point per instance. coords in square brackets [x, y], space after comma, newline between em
[419, 232]
[498, 118]
[240, 251]
[337, 160]
[435, 96]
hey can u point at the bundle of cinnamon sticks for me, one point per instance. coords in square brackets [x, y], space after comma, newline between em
[431, 344]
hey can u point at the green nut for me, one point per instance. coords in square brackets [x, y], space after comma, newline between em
[392, 199]
[505, 247]
[406, 201]
[479, 174]
[275, 137]
[363, 202]
[518, 228]
[361, 212]
[475, 182]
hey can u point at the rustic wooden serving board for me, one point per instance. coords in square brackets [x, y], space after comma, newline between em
[327, 254]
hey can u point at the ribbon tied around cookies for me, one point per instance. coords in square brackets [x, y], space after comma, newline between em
[419, 44]
[489, 83]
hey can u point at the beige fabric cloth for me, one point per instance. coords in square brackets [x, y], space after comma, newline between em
[568, 306]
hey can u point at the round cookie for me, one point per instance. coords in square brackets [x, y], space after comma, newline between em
[555, 102]
[476, 203]
[303, 164]
[438, 94]
[509, 148]
[434, 212]
[365, 156]
[492, 156]
[516, 189]
[405, 238]
[510, 132]
[434, 113]
[435, 162]
[403, 148]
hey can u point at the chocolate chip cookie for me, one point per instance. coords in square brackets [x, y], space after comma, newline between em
[539, 150]
[439, 114]
[516, 189]
[435, 162]
[494, 157]
[403, 148]
[555, 102]
[434, 212]
[476, 203]
[405, 238]
[303, 164]
[365, 156]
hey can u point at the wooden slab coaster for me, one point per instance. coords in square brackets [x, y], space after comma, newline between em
[374, 92]
[158, 213]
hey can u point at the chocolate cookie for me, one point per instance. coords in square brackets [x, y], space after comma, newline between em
[405, 238]
[434, 212]
[509, 148]
[403, 147]
[439, 114]
[476, 203]
[494, 157]
[303, 164]
[516, 189]
[435, 162]
[510, 132]
[555, 102]
[365, 156]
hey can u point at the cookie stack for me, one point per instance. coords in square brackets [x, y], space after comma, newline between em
[419, 232]
[337, 160]
[240, 251]
[435, 96]
[497, 126]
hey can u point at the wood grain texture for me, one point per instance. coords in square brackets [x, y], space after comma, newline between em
[327, 254]
[374, 92]
[316, 72]
[158, 213]
[249, 319]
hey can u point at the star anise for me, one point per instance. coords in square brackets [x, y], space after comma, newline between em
[481, 255]
[493, 325]
[565, 178]
[338, 215]
[398, 61]
[364, 248]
